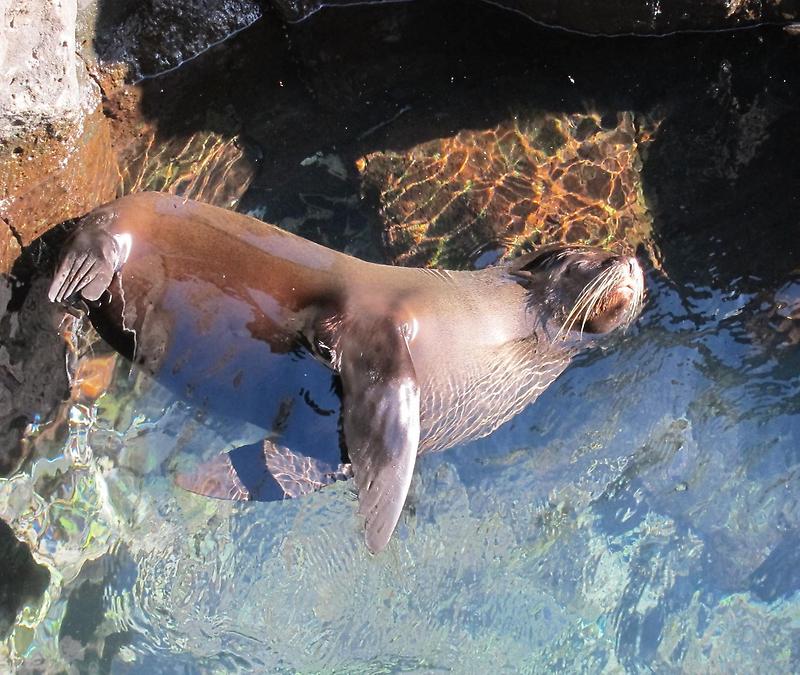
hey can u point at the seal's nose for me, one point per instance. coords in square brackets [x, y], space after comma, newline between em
[620, 261]
[636, 273]
[634, 268]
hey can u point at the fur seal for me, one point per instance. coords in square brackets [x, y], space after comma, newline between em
[237, 315]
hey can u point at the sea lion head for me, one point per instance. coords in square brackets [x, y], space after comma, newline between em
[585, 290]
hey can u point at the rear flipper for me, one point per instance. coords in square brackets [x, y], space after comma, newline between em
[214, 478]
[261, 472]
[89, 262]
[297, 475]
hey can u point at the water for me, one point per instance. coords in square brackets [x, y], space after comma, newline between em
[642, 516]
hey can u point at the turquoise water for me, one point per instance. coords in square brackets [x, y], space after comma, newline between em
[642, 516]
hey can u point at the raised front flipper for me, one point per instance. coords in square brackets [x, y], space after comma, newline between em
[381, 423]
[88, 263]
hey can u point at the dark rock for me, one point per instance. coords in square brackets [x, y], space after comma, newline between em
[641, 17]
[156, 36]
[33, 379]
[22, 579]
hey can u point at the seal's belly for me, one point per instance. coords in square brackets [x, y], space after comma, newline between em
[216, 349]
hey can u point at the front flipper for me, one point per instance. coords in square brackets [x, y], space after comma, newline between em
[381, 423]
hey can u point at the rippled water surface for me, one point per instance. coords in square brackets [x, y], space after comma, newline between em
[643, 515]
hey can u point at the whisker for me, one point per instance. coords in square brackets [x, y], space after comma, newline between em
[612, 280]
[592, 289]
[586, 298]
[573, 314]
[583, 300]
[592, 295]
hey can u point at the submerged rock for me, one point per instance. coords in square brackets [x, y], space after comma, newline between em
[33, 381]
[484, 194]
[213, 164]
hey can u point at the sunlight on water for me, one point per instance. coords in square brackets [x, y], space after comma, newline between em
[579, 536]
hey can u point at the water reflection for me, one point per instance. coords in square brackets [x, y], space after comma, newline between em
[619, 522]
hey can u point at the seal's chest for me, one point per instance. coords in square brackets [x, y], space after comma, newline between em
[460, 405]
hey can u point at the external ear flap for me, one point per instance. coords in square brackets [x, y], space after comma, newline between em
[525, 265]
[381, 423]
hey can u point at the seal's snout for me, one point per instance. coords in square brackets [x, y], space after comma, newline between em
[631, 273]
[636, 285]
[605, 290]
[624, 292]
[635, 270]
